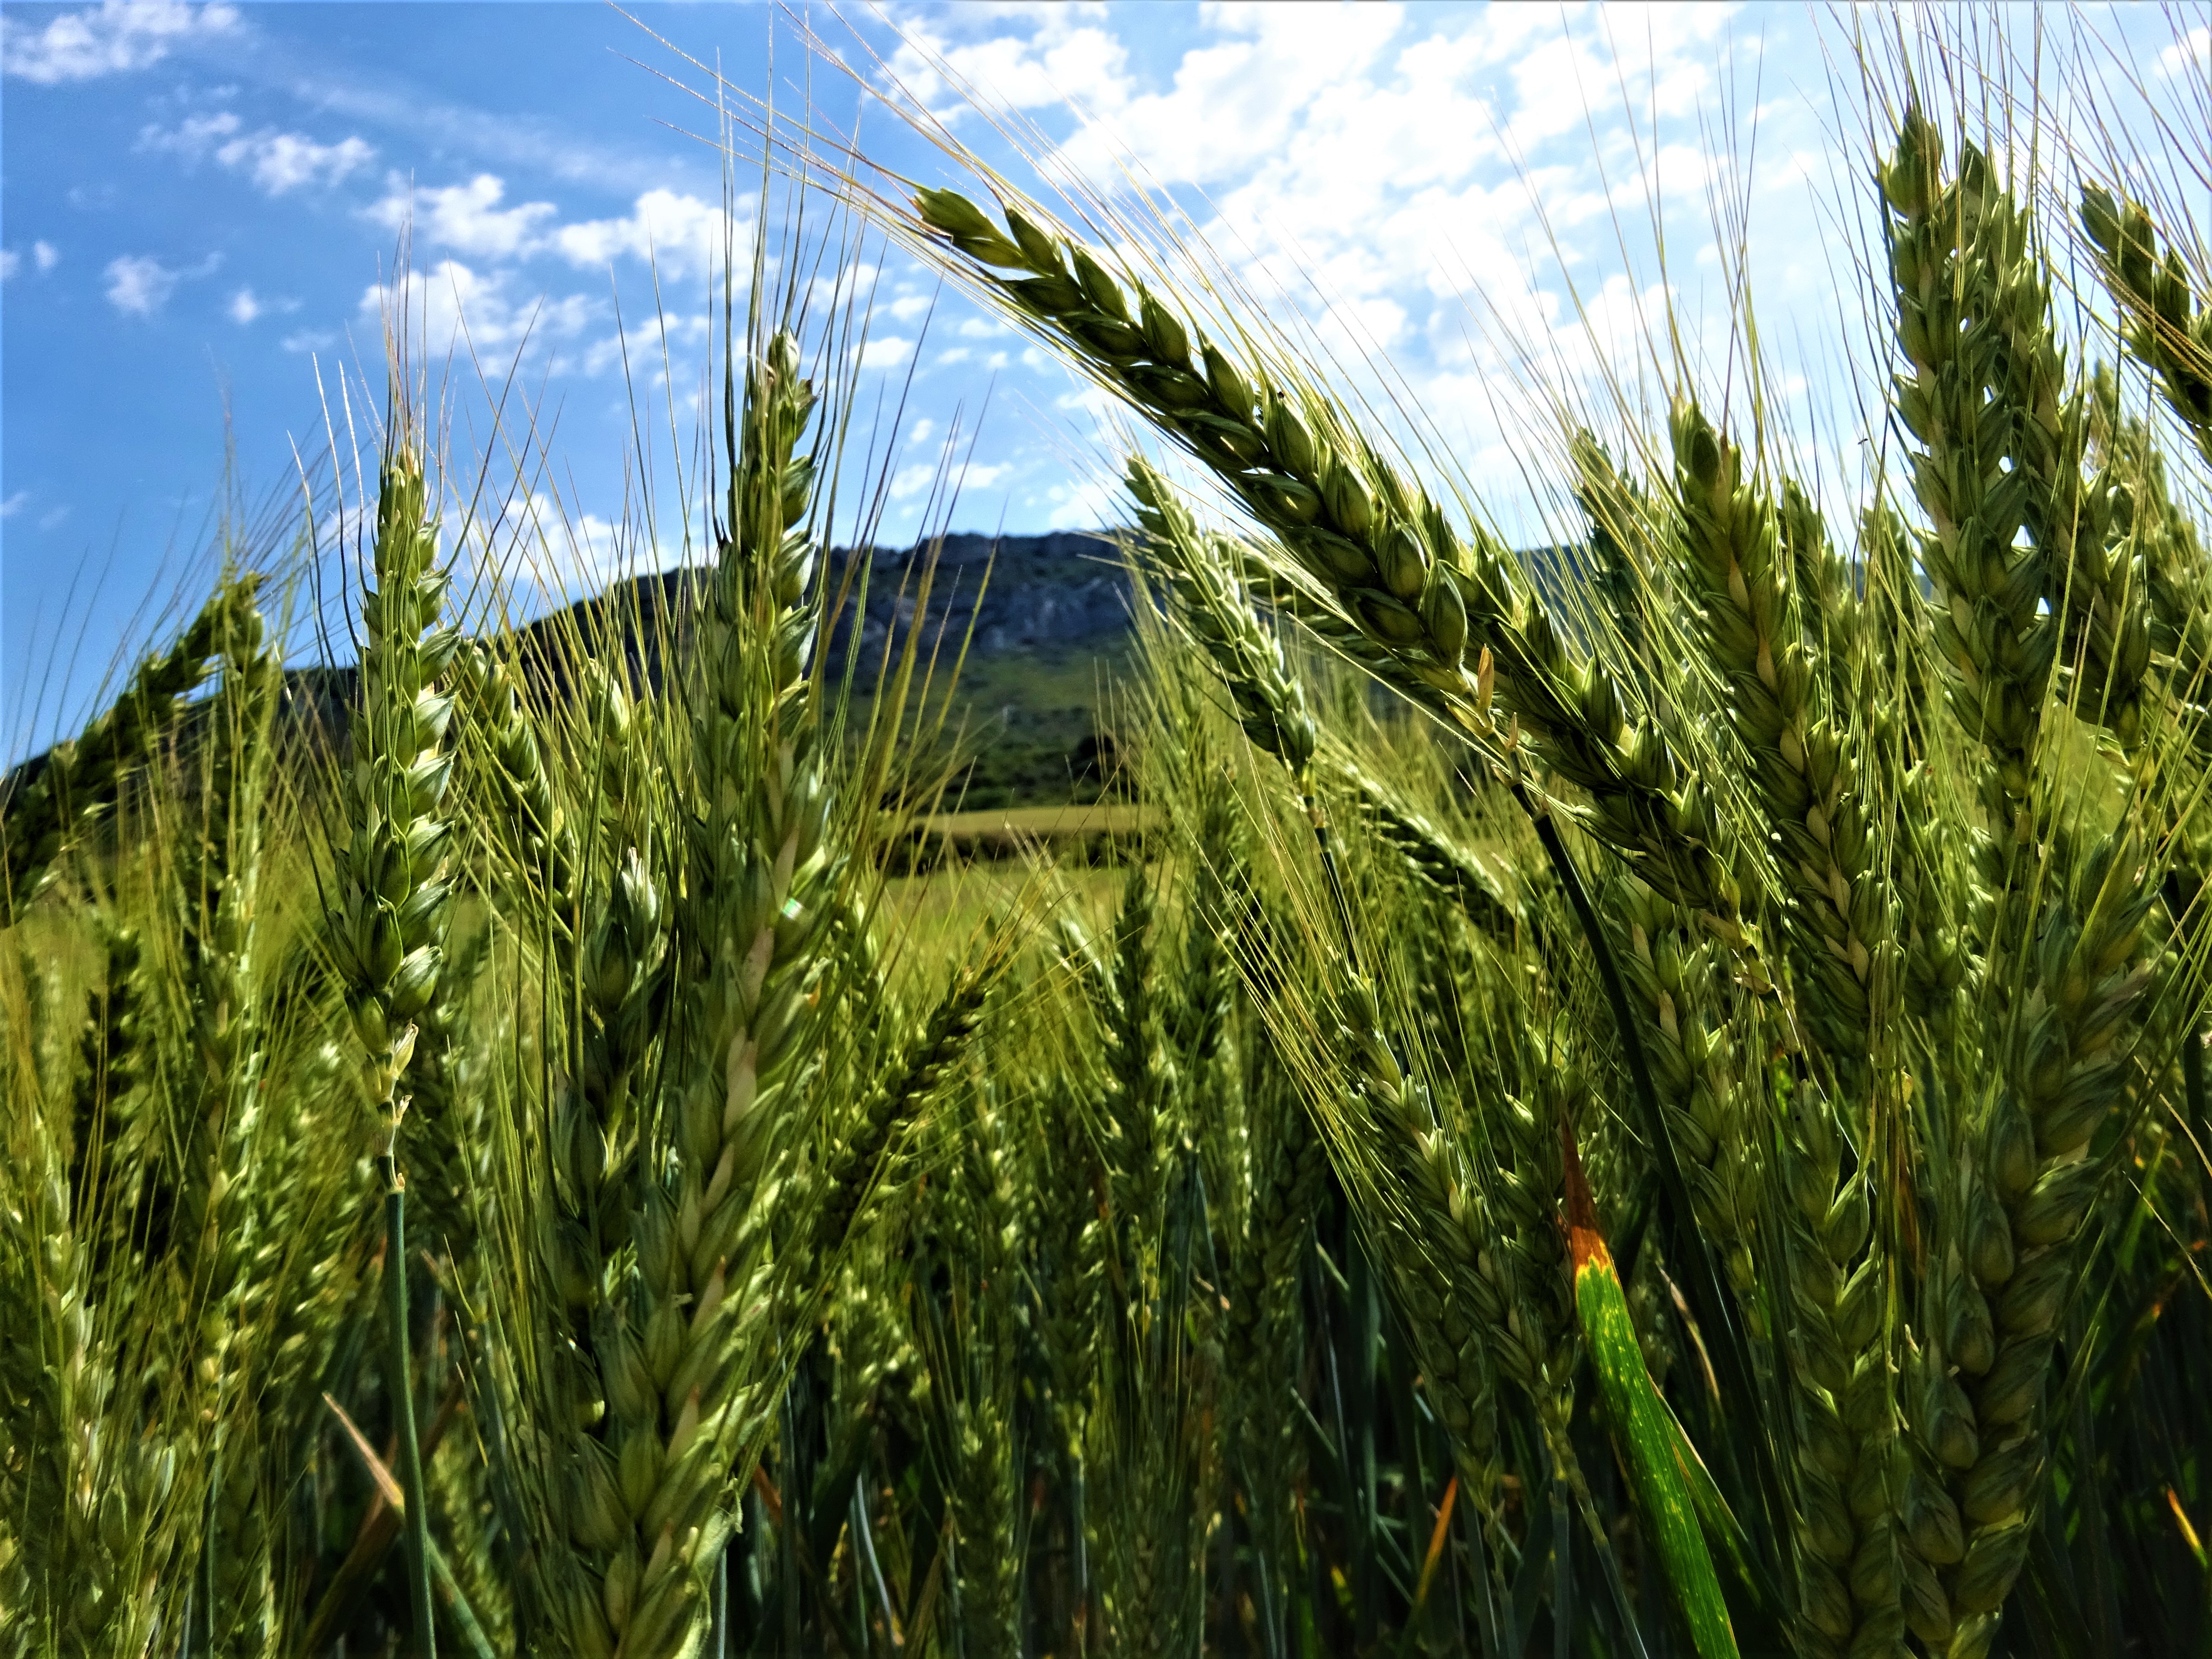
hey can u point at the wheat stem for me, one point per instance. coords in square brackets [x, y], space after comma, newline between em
[400, 1390]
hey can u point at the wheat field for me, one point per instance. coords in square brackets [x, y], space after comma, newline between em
[1642, 1098]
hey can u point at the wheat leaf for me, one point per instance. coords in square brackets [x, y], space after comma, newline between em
[1650, 1442]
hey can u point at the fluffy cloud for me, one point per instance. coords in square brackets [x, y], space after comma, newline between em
[1066, 57]
[496, 311]
[664, 347]
[2191, 55]
[246, 306]
[453, 309]
[909, 481]
[1437, 200]
[884, 351]
[44, 255]
[951, 469]
[536, 539]
[138, 284]
[277, 161]
[113, 37]
[680, 234]
[466, 218]
[1086, 505]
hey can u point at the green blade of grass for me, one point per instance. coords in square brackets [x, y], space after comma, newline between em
[1650, 1442]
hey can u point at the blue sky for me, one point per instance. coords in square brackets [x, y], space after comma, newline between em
[200, 207]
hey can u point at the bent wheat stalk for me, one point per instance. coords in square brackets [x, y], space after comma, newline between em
[77, 786]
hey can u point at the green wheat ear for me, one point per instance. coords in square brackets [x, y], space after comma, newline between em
[390, 893]
[390, 896]
[2169, 328]
[77, 786]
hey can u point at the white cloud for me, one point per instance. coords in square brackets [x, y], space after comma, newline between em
[193, 137]
[44, 255]
[908, 306]
[115, 36]
[681, 234]
[1271, 74]
[276, 161]
[280, 161]
[138, 284]
[655, 350]
[1425, 185]
[310, 339]
[950, 463]
[831, 290]
[1064, 57]
[2190, 55]
[13, 504]
[541, 542]
[466, 218]
[885, 351]
[452, 308]
[593, 552]
[1084, 506]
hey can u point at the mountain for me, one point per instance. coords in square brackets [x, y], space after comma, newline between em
[1045, 620]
